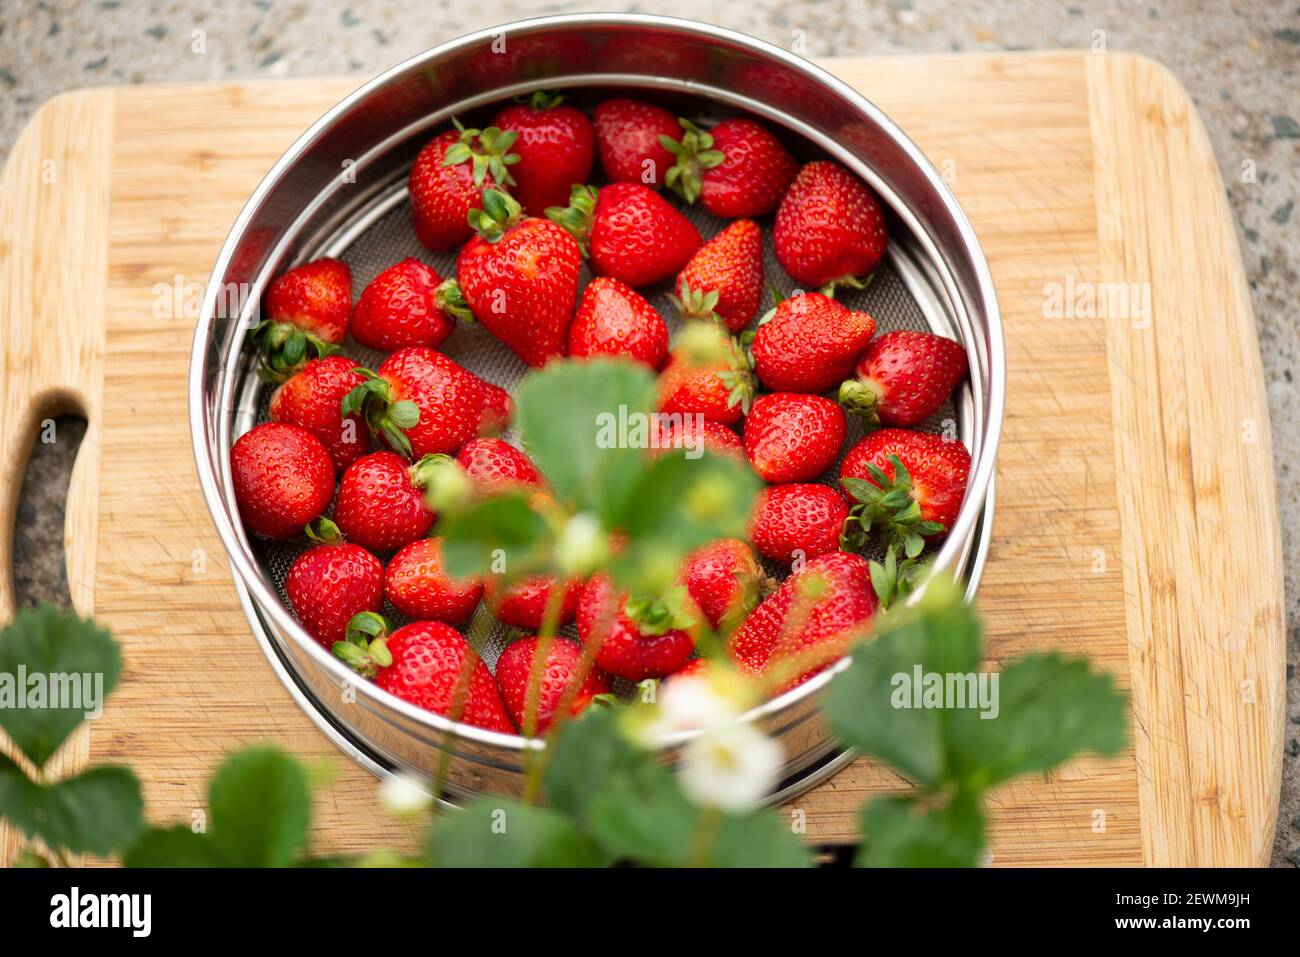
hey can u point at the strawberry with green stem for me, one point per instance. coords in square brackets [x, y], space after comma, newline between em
[283, 479]
[380, 503]
[449, 177]
[555, 146]
[328, 584]
[903, 377]
[737, 169]
[707, 374]
[648, 636]
[308, 311]
[629, 140]
[312, 399]
[892, 580]
[808, 343]
[829, 229]
[723, 282]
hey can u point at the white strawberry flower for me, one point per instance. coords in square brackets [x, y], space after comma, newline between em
[402, 794]
[732, 767]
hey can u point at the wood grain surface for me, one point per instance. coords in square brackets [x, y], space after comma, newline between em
[1135, 520]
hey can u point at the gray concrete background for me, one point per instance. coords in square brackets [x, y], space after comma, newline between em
[1238, 60]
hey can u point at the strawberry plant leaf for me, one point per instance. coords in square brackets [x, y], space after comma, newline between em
[504, 524]
[261, 807]
[98, 811]
[579, 422]
[589, 748]
[1050, 708]
[55, 668]
[497, 833]
[900, 832]
[941, 635]
[176, 846]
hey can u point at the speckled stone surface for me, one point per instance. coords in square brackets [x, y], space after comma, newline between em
[1238, 60]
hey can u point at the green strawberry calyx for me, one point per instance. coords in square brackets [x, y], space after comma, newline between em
[576, 218]
[542, 99]
[887, 504]
[861, 397]
[286, 348]
[694, 153]
[488, 152]
[894, 581]
[849, 282]
[739, 376]
[446, 485]
[364, 647]
[696, 303]
[373, 400]
[660, 614]
[500, 212]
[323, 531]
[448, 297]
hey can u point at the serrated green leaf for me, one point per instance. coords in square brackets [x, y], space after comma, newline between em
[570, 414]
[504, 525]
[73, 658]
[261, 807]
[1049, 709]
[176, 846]
[496, 833]
[900, 832]
[98, 811]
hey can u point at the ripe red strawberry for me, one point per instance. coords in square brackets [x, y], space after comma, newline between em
[283, 479]
[926, 471]
[809, 343]
[614, 320]
[518, 276]
[639, 637]
[307, 312]
[627, 140]
[380, 506]
[736, 169]
[448, 179]
[555, 148]
[724, 580]
[829, 228]
[904, 377]
[494, 463]
[695, 668]
[498, 408]
[417, 585]
[723, 281]
[791, 437]
[631, 232]
[329, 584]
[797, 521]
[808, 622]
[422, 403]
[523, 604]
[557, 680]
[429, 664]
[708, 375]
[685, 431]
[312, 399]
[401, 307]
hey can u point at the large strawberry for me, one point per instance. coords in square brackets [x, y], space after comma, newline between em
[904, 377]
[791, 437]
[523, 603]
[628, 141]
[910, 484]
[307, 313]
[418, 586]
[630, 232]
[636, 637]
[518, 276]
[809, 343]
[558, 679]
[829, 229]
[555, 148]
[724, 279]
[312, 399]
[430, 665]
[707, 374]
[614, 320]
[283, 479]
[724, 579]
[401, 307]
[797, 521]
[808, 622]
[736, 169]
[448, 180]
[380, 503]
[329, 584]
[421, 402]
[695, 433]
[494, 463]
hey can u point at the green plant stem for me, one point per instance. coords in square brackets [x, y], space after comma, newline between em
[545, 636]
[705, 836]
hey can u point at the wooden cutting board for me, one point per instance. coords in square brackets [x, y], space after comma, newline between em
[1135, 521]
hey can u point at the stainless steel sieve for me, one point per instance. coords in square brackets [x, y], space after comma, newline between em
[340, 190]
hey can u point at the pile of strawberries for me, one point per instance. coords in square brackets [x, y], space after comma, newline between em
[381, 445]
